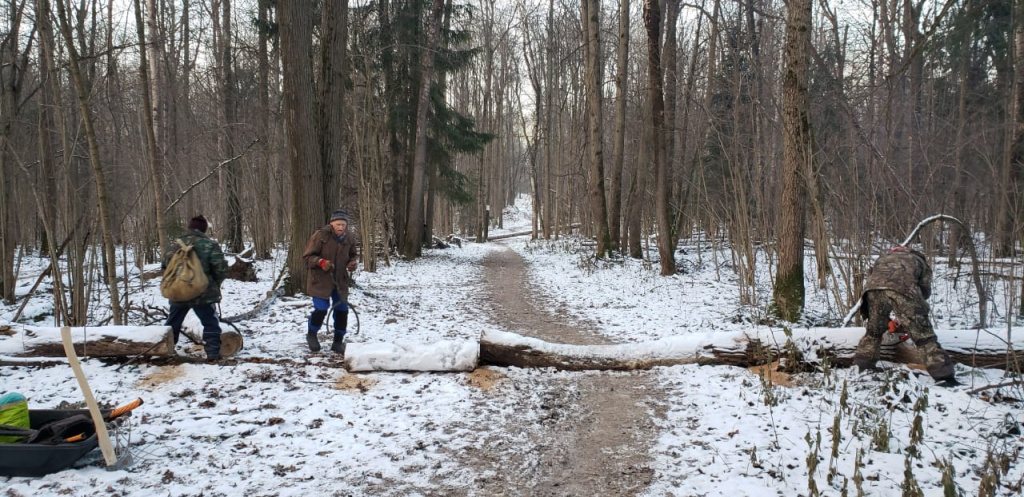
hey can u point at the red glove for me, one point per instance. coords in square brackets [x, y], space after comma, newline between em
[352, 265]
[325, 264]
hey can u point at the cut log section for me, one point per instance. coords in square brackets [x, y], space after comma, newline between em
[981, 348]
[444, 355]
[230, 343]
[106, 341]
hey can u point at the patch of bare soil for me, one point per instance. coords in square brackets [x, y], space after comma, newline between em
[596, 438]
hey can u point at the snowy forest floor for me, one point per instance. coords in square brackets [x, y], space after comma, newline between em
[281, 421]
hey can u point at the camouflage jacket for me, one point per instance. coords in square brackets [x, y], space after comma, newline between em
[212, 258]
[902, 270]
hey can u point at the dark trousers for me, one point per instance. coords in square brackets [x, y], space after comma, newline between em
[207, 316]
[320, 308]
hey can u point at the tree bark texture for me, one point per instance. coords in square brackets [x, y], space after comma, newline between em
[11, 72]
[308, 209]
[619, 141]
[796, 163]
[414, 228]
[148, 108]
[334, 67]
[230, 183]
[263, 239]
[592, 81]
[656, 96]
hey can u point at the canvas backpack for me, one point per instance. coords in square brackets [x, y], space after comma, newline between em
[184, 278]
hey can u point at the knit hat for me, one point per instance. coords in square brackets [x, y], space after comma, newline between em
[198, 223]
[339, 214]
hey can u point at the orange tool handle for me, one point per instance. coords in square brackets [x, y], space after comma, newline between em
[121, 411]
[118, 412]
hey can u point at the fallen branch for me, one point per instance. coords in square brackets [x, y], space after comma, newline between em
[1012, 383]
[208, 176]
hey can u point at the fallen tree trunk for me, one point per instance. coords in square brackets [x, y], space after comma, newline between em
[980, 348]
[106, 341]
[443, 355]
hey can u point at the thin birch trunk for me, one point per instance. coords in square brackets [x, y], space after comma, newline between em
[106, 225]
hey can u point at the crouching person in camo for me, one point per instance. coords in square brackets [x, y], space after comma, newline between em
[216, 269]
[330, 255]
[899, 283]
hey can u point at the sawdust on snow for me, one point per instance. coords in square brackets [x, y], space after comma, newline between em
[483, 378]
[163, 374]
[353, 382]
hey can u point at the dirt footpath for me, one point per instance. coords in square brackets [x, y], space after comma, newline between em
[596, 441]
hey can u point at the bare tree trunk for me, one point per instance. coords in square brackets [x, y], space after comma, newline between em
[592, 51]
[155, 169]
[296, 27]
[106, 225]
[634, 229]
[48, 169]
[263, 226]
[226, 137]
[432, 169]
[11, 75]
[797, 165]
[666, 252]
[670, 8]
[535, 68]
[549, 127]
[483, 188]
[414, 228]
[333, 67]
[619, 146]
[1013, 169]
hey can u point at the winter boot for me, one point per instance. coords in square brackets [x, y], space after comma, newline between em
[313, 341]
[339, 342]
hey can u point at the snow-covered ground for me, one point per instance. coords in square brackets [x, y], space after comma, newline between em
[299, 425]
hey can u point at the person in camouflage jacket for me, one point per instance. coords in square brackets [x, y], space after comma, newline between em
[898, 284]
[216, 269]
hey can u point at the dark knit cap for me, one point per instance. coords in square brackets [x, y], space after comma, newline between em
[198, 223]
[339, 214]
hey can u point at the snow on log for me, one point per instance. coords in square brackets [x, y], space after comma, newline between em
[100, 341]
[445, 355]
[983, 348]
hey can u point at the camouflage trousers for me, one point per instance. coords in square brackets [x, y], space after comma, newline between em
[913, 315]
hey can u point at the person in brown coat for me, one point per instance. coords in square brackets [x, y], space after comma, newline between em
[330, 255]
[898, 284]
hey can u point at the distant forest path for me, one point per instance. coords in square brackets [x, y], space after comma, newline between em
[598, 438]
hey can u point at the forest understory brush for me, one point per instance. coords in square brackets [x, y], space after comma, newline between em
[858, 422]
